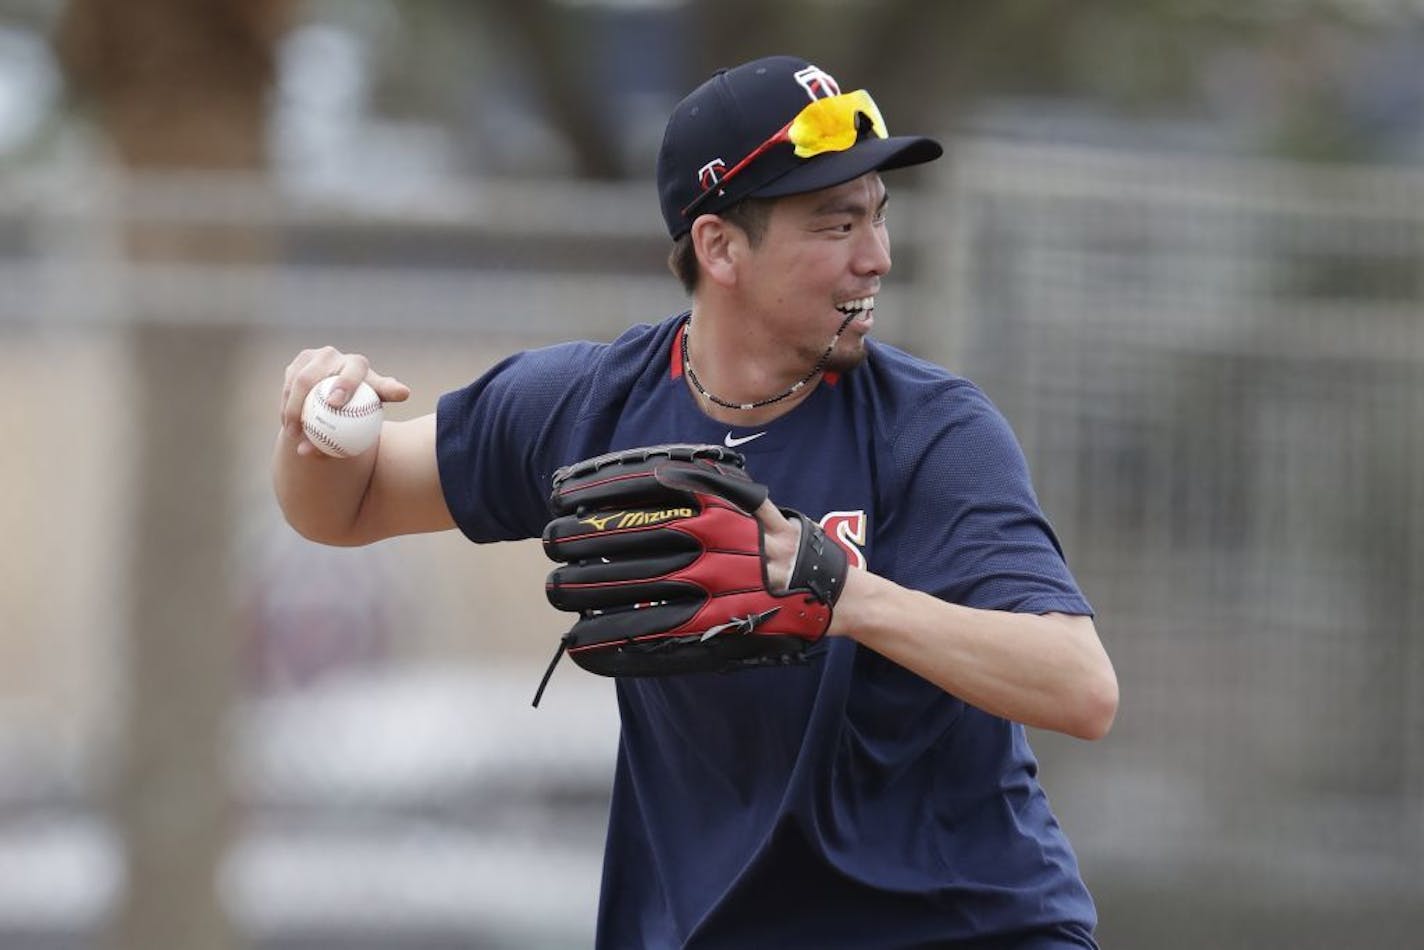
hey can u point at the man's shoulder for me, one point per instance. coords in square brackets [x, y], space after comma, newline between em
[641, 344]
[585, 365]
[901, 382]
[600, 362]
[637, 341]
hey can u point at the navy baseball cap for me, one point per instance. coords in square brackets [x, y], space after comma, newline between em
[729, 117]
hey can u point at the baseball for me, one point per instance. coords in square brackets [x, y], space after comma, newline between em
[345, 431]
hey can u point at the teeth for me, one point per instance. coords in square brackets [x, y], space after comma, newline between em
[857, 306]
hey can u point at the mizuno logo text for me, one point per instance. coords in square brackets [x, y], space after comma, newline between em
[635, 519]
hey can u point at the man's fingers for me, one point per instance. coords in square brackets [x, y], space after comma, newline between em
[388, 388]
[289, 381]
[309, 368]
[781, 538]
[351, 371]
[772, 519]
[347, 370]
[355, 370]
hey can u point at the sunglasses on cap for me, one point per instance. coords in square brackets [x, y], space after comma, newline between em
[825, 125]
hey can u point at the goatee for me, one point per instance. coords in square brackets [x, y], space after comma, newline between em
[845, 359]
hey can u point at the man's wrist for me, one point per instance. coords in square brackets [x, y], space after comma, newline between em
[856, 607]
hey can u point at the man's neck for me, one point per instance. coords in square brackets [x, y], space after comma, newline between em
[727, 362]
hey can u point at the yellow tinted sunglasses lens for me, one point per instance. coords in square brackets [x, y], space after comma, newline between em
[830, 125]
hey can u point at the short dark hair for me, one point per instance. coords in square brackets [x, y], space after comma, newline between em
[749, 214]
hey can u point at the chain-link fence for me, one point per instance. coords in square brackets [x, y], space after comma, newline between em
[1218, 375]
[1215, 371]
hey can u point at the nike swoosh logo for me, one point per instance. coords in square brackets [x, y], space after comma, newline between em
[732, 443]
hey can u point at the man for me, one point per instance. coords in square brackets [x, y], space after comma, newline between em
[883, 794]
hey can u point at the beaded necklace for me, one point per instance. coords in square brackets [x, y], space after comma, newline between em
[702, 391]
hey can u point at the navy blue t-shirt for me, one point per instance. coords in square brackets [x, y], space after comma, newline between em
[847, 802]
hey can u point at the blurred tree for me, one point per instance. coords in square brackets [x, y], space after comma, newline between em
[38, 13]
[572, 104]
[178, 86]
[927, 60]
[925, 56]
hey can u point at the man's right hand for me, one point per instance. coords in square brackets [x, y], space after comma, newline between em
[393, 489]
[311, 367]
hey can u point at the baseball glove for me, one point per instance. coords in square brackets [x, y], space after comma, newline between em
[663, 562]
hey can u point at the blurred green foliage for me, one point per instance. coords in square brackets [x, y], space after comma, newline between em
[1285, 77]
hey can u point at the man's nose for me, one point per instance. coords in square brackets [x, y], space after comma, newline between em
[873, 252]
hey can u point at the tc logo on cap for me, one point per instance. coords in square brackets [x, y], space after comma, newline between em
[711, 173]
[818, 83]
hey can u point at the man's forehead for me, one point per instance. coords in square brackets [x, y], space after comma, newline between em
[867, 189]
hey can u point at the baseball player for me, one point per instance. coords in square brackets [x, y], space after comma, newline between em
[757, 484]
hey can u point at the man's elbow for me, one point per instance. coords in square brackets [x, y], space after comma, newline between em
[1095, 708]
[332, 539]
[322, 530]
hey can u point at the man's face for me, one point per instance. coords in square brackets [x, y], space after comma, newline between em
[820, 259]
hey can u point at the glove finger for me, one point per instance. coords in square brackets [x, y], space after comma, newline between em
[670, 656]
[640, 642]
[645, 532]
[616, 487]
[658, 567]
[599, 586]
[710, 478]
[630, 624]
[711, 521]
[598, 534]
[645, 458]
[657, 476]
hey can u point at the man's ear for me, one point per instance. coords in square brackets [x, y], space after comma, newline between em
[719, 245]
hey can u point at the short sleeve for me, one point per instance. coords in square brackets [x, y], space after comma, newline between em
[972, 531]
[498, 440]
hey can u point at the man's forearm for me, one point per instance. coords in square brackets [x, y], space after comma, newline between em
[320, 496]
[1046, 671]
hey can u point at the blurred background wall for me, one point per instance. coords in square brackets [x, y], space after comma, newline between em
[1180, 244]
